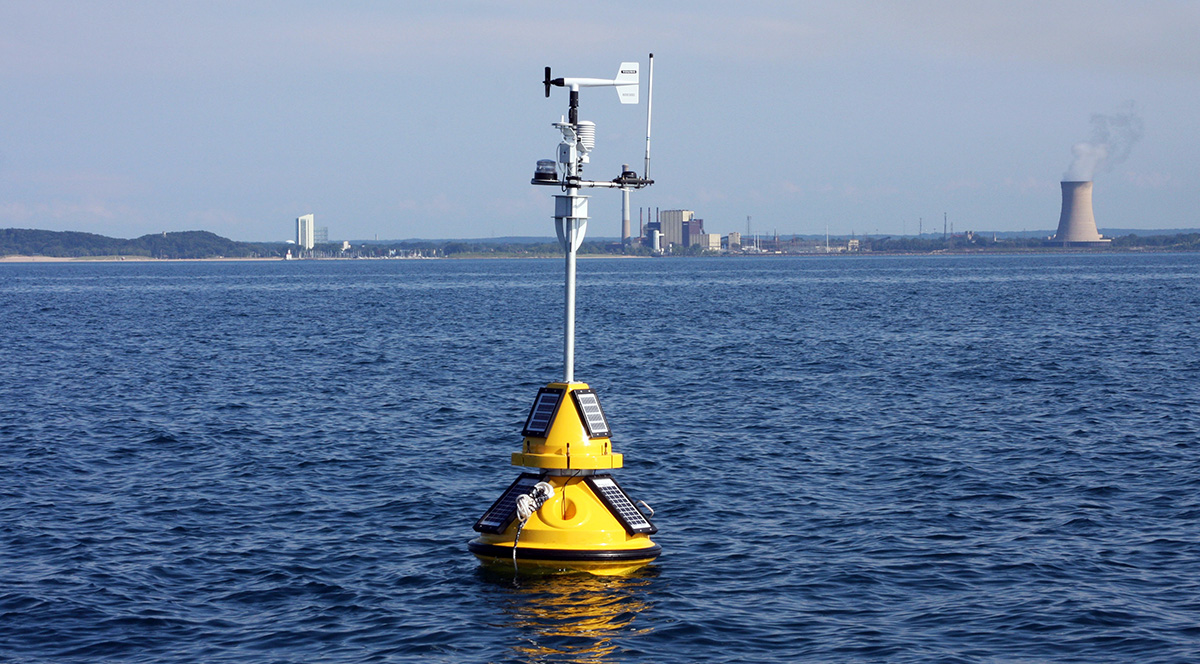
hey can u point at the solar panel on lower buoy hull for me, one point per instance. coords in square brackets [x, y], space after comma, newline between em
[504, 510]
[618, 502]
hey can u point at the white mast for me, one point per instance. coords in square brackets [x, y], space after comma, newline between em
[570, 208]
[649, 108]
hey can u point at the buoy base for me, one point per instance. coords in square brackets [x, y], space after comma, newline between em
[552, 561]
[589, 524]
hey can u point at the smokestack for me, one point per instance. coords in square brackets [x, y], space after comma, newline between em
[1076, 223]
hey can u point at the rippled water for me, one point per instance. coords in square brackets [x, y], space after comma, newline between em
[953, 459]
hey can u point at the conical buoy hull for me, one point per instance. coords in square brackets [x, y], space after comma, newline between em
[588, 525]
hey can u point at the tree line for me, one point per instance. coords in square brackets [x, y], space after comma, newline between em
[185, 244]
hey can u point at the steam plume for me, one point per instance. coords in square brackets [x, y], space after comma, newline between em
[1113, 137]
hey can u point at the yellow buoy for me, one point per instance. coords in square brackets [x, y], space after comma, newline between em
[587, 523]
[571, 514]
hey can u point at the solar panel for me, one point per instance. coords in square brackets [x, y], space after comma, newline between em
[593, 417]
[542, 413]
[620, 505]
[504, 510]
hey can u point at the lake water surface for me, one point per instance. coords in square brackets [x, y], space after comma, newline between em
[851, 459]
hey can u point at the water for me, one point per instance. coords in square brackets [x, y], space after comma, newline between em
[952, 459]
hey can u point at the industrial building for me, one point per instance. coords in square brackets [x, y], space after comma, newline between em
[671, 225]
[709, 241]
[692, 230]
[682, 229]
[679, 228]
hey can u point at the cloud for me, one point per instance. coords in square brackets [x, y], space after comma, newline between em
[440, 205]
[534, 201]
[1029, 185]
[709, 195]
[83, 184]
[1153, 180]
[789, 187]
[79, 213]
[963, 184]
[858, 193]
[1152, 38]
[1113, 138]
[847, 191]
[168, 38]
[219, 221]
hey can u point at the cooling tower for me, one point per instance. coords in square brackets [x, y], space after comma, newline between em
[1076, 224]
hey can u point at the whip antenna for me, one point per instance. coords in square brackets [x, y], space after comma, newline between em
[649, 107]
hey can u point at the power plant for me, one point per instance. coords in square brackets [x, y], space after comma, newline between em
[1076, 223]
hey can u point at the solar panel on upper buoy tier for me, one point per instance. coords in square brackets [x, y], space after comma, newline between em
[593, 416]
[542, 413]
[620, 505]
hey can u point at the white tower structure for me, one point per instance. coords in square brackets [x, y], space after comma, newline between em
[1076, 223]
[306, 232]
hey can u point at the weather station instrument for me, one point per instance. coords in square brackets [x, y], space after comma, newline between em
[567, 512]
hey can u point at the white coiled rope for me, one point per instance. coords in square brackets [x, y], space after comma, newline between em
[527, 504]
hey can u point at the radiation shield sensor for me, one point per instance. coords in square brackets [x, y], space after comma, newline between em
[496, 519]
[619, 504]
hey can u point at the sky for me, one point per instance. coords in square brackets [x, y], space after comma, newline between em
[425, 120]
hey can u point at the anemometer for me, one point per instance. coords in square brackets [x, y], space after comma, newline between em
[566, 172]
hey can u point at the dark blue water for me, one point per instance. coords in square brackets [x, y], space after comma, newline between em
[954, 459]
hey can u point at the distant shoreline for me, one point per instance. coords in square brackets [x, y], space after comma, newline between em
[121, 259]
[21, 259]
[148, 259]
[37, 246]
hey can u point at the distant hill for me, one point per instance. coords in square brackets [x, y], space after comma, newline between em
[185, 244]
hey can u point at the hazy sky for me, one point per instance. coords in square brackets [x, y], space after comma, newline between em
[405, 120]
